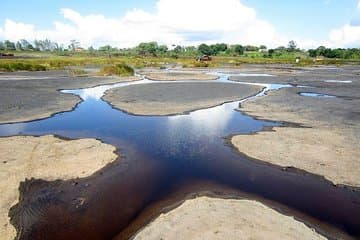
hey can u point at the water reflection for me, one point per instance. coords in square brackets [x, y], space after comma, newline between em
[222, 74]
[97, 92]
[338, 81]
[12, 129]
[208, 121]
[319, 95]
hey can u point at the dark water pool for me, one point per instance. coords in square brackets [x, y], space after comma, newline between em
[158, 152]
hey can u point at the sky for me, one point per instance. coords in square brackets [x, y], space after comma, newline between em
[120, 23]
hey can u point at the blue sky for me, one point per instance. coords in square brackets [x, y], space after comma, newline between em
[305, 20]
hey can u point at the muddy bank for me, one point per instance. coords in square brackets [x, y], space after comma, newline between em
[47, 158]
[212, 218]
[26, 96]
[178, 76]
[327, 147]
[175, 98]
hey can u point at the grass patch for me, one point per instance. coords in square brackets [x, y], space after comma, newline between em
[50, 61]
[20, 66]
[121, 70]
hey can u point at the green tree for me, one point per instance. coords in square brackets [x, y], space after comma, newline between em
[312, 53]
[178, 49]
[217, 48]
[26, 45]
[9, 45]
[292, 46]
[149, 48]
[238, 49]
[204, 49]
[162, 49]
[262, 47]
[2, 46]
[271, 53]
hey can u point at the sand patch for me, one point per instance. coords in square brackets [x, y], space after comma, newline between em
[175, 98]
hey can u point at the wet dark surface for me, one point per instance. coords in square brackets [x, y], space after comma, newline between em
[156, 154]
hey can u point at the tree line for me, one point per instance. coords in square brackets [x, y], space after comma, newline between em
[349, 53]
[155, 49]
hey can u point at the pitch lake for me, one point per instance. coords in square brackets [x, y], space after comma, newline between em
[157, 153]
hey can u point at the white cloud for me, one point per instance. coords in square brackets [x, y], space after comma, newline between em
[347, 35]
[185, 22]
[174, 22]
[13, 30]
[224, 15]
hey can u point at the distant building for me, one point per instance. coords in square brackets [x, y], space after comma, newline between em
[79, 49]
[204, 58]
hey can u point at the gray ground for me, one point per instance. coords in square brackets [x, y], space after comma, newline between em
[310, 76]
[26, 96]
[330, 146]
[178, 76]
[175, 98]
[345, 109]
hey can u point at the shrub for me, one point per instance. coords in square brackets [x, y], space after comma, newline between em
[19, 66]
[122, 70]
[201, 64]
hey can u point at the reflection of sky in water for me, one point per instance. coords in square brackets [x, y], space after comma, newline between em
[12, 129]
[97, 92]
[338, 81]
[221, 74]
[320, 95]
[212, 120]
[181, 136]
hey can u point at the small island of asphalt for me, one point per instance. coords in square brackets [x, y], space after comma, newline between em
[327, 144]
[175, 98]
[27, 96]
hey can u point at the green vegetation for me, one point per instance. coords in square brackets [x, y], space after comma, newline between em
[351, 53]
[121, 70]
[20, 66]
[47, 55]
